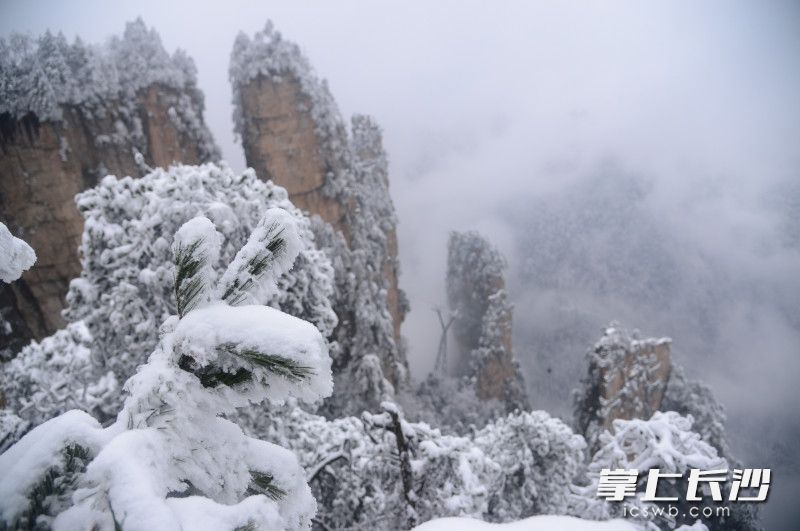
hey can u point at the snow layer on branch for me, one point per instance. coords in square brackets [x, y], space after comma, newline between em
[25, 463]
[269, 253]
[665, 442]
[261, 329]
[16, 256]
[196, 248]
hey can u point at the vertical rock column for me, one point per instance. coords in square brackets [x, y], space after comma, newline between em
[293, 134]
[482, 320]
[627, 378]
[110, 110]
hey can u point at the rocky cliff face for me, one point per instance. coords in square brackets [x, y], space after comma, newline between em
[69, 115]
[627, 378]
[281, 141]
[482, 319]
[293, 134]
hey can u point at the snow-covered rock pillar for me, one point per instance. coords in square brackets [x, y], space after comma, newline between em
[293, 134]
[69, 115]
[482, 319]
[627, 378]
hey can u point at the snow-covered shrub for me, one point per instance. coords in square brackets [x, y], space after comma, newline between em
[55, 375]
[47, 75]
[16, 256]
[540, 458]
[665, 442]
[12, 428]
[171, 461]
[695, 398]
[379, 471]
[126, 286]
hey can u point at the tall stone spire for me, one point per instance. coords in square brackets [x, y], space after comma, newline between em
[294, 135]
[69, 115]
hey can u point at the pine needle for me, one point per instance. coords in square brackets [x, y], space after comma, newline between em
[188, 284]
[279, 365]
[261, 483]
[256, 267]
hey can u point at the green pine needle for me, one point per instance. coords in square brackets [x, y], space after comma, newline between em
[212, 377]
[54, 484]
[255, 268]
[261, 483]
[279, 365]
[188, 284]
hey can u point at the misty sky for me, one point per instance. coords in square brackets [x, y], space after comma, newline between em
[486, 105]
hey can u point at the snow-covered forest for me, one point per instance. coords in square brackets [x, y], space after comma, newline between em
[271, 324]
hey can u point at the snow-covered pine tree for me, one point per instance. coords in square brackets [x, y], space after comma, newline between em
[482, 327]
[126, 285]
[665, 442]
[540, 458]
[695, 398]
[171, 461]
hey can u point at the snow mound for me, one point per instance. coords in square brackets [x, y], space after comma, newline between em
[16, 256]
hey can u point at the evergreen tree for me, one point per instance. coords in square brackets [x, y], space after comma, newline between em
[171, 460]
[126, 287]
